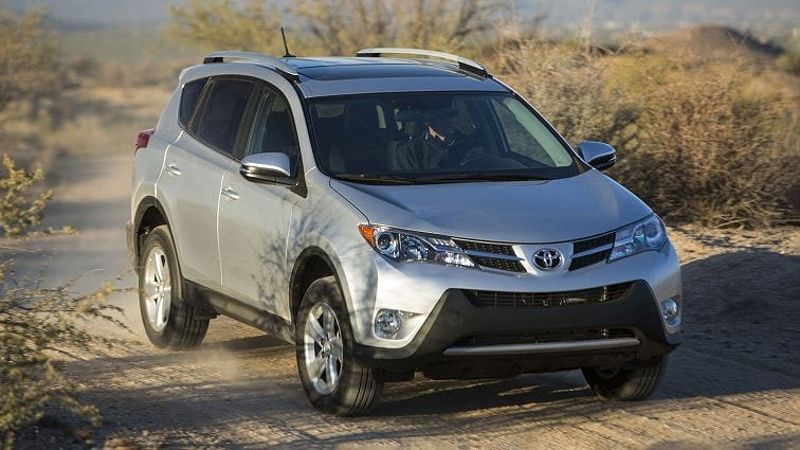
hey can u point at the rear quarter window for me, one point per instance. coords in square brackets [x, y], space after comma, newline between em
[189, 96]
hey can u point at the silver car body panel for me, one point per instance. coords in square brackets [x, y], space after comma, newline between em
[522, 211]
[253, 231]
[189, 188]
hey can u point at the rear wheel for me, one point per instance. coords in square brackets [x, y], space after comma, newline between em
[332, 379]
[619, 383]
[169, 321]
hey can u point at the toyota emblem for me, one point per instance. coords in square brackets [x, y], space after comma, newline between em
[547, 258]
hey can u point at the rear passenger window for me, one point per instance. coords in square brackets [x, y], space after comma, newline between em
[191, 92]
[223, 113]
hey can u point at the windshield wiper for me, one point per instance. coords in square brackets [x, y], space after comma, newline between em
[374, 178]
[481, 176]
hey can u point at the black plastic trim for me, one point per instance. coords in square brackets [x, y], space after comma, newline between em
[145, 204]
[299, 263]
[454, 318]
[215, 302]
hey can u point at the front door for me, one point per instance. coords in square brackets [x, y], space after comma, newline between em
[254, 217]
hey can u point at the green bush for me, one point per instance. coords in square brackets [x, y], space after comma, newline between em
[21, 205]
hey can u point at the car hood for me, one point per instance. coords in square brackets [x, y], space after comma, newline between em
[520, 211]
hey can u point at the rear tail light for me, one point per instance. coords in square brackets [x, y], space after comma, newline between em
[144, 138]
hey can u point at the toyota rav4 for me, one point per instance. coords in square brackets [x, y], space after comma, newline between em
[397, 212]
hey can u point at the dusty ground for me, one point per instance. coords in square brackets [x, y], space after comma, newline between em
[735, 382]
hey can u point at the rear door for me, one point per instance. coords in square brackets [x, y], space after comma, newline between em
[193, 172]
[254, 217]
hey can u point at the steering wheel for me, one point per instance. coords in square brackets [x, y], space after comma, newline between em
[477, 160]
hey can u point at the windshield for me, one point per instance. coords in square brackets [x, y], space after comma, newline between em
[435, 137]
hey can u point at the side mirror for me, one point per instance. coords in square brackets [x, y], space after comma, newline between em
[266, 167]
[599, 155]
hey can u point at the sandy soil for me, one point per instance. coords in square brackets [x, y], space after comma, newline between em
[734, 383]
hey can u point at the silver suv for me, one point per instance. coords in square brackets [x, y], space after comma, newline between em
[395, 212]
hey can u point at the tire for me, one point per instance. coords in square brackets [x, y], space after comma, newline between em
[620, 383]
[179, 326]
[356, 389]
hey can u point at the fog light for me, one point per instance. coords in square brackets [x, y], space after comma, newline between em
[670, 312]
[388, 323]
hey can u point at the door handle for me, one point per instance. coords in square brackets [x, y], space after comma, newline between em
[173, 169]
[230, 193]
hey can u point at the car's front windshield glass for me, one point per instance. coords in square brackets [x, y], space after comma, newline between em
[435, 137]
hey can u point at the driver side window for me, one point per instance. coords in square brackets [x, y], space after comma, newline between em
[273, 129]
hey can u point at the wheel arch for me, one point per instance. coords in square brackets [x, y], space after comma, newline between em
[312, 264]
[149, 214]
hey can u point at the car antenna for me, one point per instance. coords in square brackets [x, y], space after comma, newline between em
[285, 46]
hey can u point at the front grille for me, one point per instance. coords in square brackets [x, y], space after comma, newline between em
[498, 299]
[540, 337]
[587, 245]
[485, 247]
[483, 255]
[588, 260]
[498, 263]
[503, 257]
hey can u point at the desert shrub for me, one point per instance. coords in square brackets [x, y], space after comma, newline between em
[566, 83]
[36, 325]
[331, 27]
[343, 27]
[693, 140]
[227, 25]
[705, 152]
[21, 198]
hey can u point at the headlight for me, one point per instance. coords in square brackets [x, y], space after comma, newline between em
[406, 246]
[642, 236]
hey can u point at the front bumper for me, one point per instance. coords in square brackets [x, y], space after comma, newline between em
[370, 282]
[457, 324]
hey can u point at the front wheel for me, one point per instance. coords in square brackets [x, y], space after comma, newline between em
[619, 383]
[332, 379]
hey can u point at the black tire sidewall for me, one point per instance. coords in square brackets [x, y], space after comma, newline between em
[627, 383]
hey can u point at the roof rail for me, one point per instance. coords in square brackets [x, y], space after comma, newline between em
[463, 63]
[256, 58]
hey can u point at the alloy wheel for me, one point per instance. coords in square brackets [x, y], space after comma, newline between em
[157, 288]
[324, 349]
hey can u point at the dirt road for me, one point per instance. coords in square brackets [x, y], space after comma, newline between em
[735, 382]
